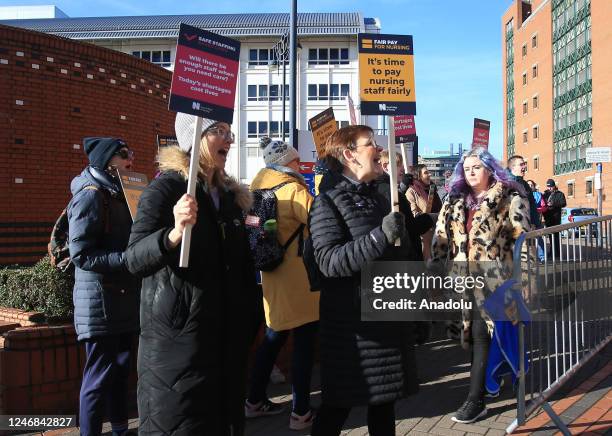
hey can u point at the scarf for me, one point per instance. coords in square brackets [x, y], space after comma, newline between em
[421, 189]
[288, 171]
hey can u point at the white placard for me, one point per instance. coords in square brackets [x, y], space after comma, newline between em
[191, 189]
[598, 154]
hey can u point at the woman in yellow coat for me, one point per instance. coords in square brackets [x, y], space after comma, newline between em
[289, 304]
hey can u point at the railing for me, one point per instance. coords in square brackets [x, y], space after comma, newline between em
[569, 295]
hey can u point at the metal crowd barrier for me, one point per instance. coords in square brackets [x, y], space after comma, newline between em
[569, 296]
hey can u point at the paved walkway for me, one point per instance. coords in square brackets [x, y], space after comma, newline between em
[444, 376]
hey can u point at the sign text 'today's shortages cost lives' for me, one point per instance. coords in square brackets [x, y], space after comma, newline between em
[386, 74]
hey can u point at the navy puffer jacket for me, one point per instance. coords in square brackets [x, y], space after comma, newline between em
[106, 296]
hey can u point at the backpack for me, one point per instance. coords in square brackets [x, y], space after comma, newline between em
[266, 251]
[315, 276]
[58, 246]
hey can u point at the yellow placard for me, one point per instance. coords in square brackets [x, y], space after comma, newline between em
[323, 126]
[386, 77]
[133, 185]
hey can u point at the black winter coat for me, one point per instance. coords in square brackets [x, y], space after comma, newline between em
[555, 200]
[196, 322]
[362, 363]
[106, 295]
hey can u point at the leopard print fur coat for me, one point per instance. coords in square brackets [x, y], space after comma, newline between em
[488, 247]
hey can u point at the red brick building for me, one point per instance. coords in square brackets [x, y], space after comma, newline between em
[53, 93]
[557, 58]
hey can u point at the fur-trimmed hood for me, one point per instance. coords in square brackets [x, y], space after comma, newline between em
[175, 159]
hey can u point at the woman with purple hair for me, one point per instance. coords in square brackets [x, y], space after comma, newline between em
[483, 215]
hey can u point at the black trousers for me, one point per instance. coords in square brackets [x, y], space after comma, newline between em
[329, 420]
[480, 353]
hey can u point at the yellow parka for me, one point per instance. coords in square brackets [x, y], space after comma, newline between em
[288, 301]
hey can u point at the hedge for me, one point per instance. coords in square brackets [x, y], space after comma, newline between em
[40, 288]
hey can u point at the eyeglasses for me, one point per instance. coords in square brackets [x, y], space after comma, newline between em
[125, 154]
[370, 143]
[222, 133]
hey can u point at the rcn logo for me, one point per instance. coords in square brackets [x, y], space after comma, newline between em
[195, 106]
[382, 107]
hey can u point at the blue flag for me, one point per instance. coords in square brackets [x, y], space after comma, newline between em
[507, 309]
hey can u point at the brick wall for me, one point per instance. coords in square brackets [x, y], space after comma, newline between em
[53, 93]
[41, 369]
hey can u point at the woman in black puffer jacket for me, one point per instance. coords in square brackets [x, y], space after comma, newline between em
[196, 322]
[362, 363]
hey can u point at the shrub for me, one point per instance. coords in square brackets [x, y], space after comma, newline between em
[40, 288]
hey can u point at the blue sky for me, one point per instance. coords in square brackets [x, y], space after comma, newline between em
[457, 48]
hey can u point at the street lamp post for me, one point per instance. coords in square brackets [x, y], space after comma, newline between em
[281, 50]
[293, 75]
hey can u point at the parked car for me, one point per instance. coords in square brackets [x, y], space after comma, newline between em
[577, 214]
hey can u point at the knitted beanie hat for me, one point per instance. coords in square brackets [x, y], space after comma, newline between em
[277, 152]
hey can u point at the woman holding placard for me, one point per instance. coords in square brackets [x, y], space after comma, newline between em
[362, 363]
[196, 322]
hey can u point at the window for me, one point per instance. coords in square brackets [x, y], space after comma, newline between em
[263, 93]
[261, 56]
[342, 124]
[534, 71]
[534, 41]
[157, 57]
[524, 79]
[536, 163]
[252, 129]
[274, 129]
[338, 91]
[525, 133]
[274, 93]
[589, 187]
[524, 50]
[535, 132]
[535, 102]
[328, 56]
[344, 90]
[256, 129]
[570, 189]
[524, 108]
[252, 93]
[334, 91]
[322, 91]
[312, 92]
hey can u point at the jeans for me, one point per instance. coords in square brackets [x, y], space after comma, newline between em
[105, 383]
[302, 360]
[329, 420]
[539, 242]
[540, 248]
[480, 353]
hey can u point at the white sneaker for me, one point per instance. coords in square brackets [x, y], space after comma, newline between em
[276, 376]
[301, 422]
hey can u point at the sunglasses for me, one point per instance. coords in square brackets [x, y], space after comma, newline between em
[125, 154]
[222, 133]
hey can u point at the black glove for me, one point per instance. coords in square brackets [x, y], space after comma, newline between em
[394, 226]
